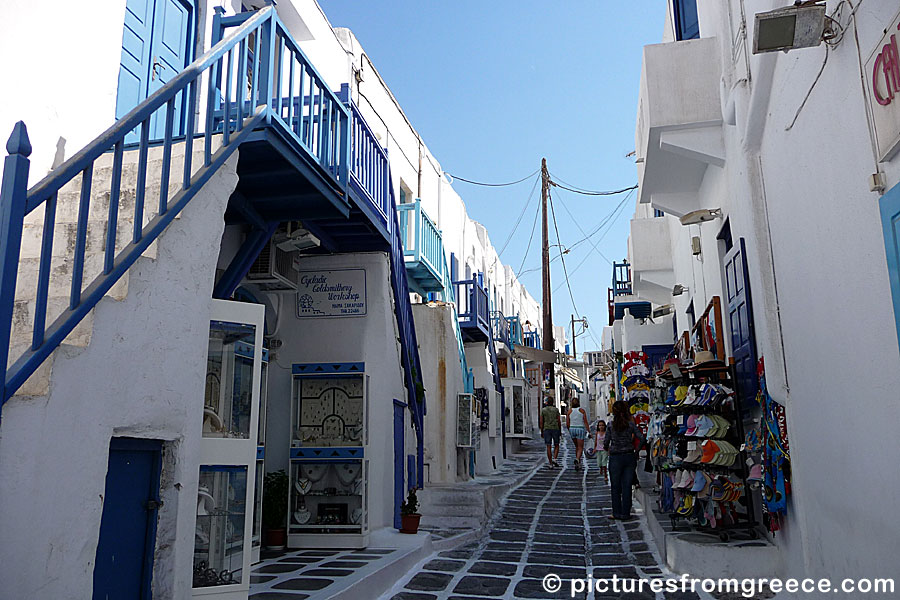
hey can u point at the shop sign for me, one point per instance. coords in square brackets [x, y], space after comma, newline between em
[339, 293]
[882, 72]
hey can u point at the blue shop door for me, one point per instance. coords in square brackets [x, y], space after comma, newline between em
[124, 563]
[155, 47]
[399, 450]
[740, 320]
[890, 221]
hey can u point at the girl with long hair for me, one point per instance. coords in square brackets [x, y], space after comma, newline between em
[619, 442]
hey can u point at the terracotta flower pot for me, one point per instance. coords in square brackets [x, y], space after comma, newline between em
[409, 523]
[275, 538]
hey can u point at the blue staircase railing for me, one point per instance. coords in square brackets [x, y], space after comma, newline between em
[185, 90]
[409, 346]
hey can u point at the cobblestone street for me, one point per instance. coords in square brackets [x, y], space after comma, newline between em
[554, 523]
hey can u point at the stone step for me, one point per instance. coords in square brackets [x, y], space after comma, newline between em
[444, 522]
[449, 497]
[453, 510]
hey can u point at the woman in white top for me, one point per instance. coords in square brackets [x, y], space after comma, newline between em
[576, 421]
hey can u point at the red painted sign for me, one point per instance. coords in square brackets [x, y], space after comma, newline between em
[886, 72]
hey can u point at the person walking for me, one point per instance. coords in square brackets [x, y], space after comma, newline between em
[577, 422]
[550, 424]
[619, 442]
[601, 454]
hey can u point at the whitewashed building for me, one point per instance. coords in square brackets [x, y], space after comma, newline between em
[216, 257]
[791, 160]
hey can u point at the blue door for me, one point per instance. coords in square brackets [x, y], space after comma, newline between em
[124, 561]
[740, 320]
[155, 47]
[399, 450]
[890, 221]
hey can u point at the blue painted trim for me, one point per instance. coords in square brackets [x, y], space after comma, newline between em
[327, 453]
[260, 453]
[399, 449]
[242, 261]
[327, 368]
[889, 206]
[244, 350]
[222, 469]
[265, 355]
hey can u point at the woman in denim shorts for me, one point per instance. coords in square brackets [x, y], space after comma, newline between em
[577, 422]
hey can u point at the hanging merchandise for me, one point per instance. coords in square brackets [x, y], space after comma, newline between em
[637, 383]
[696, 446]
[775, 455]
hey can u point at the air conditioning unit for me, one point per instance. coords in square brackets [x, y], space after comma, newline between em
[274, 269]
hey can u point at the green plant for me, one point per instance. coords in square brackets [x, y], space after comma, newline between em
[411, 505]
[275, 500]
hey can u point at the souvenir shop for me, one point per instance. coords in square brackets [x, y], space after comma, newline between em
[721, 461]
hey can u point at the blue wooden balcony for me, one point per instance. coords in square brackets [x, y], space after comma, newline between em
[474, 314]
[621, 281]
[423, 248]
[621, 295]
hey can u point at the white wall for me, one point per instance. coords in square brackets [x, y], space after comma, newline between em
[443, 382]
[143, 375]
[797, 192]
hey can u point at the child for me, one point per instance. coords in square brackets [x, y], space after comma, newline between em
[602, 455]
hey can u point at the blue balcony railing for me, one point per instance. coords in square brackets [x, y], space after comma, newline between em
[423, 247]
[500, 327]
[474, 315]
[515, 329]
[270, 69]
[531, 339]
[621, 279]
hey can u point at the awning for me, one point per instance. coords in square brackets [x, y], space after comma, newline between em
[534, 354]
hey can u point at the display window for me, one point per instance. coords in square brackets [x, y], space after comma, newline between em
[229, 380]
[219, 533]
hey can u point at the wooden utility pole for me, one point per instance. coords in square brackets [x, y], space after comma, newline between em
[548, 343]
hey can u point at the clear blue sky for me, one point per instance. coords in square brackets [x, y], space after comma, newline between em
[493, 86]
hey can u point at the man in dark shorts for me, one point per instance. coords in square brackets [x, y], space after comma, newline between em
[550, 425]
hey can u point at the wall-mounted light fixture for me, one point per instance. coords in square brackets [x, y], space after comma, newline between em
[679, 289]
[701, 216]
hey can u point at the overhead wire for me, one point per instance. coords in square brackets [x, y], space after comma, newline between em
[519, 220]
[537, 213]
[610, 219]
[559, 247]
[454, 177]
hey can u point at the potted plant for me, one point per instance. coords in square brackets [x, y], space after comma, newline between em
[275, 508]
[409, 518]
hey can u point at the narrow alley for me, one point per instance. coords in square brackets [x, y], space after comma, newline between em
[556, 523]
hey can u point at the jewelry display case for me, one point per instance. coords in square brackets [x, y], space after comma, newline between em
[329, 474]
[229, 471]
[465, 420]
[219, 534]
[516, 395]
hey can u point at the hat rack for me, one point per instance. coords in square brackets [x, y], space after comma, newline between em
[720, 373]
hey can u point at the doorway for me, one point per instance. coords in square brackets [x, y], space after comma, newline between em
[124, 563]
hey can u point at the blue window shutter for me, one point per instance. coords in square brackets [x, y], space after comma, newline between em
[454, 267]
[687, 24]
[890, 221]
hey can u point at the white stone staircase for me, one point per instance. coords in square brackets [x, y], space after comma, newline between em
[452, 507]
[64, 237]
